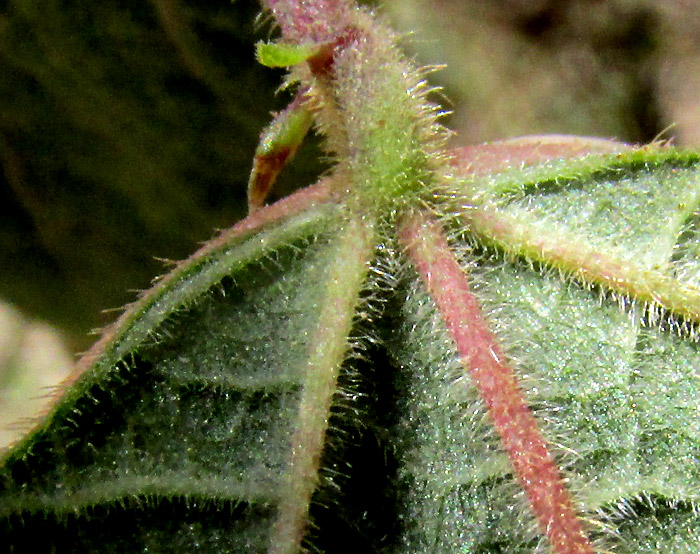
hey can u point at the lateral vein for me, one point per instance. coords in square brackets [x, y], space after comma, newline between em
[347, 270]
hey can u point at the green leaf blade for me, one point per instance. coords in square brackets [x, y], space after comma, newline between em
[614, 226]
[614, 389]
[202, 405]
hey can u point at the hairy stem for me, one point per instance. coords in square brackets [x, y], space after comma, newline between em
[481, 356]
[346, 274]
[657, 291]
[317, 21]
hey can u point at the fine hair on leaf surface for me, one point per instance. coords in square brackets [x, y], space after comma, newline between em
[490, 349]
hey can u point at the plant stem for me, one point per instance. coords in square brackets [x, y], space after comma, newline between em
[318, 21]
[346, 274]
[496, 382]
[655, 290]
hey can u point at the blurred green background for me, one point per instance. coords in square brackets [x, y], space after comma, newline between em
[127, 128]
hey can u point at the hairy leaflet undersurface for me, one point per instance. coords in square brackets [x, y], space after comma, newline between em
[488, 350]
